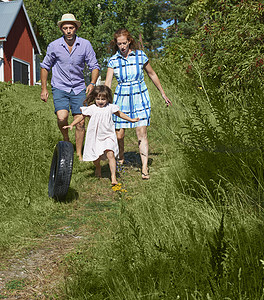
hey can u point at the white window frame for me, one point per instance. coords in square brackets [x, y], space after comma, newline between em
[23, 62]
[34, 66]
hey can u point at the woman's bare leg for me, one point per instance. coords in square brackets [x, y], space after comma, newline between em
[143, 149]
[112, 165]
[120, 134]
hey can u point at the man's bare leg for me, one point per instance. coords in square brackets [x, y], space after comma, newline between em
[62, 120]
[97, 168]
[120, 134]
[79, 137]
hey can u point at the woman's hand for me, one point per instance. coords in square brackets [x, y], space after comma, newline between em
[167, 100]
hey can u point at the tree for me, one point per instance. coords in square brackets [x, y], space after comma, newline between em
[229, 43]
[174, 12]
[100, 19]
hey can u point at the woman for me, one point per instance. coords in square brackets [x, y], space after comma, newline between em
[131, 94]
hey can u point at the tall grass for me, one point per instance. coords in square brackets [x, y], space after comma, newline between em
[193, 231]
[28, 136]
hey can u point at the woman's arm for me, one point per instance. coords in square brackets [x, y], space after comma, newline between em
[121, 115]
[155, 79]
[76, 121]
[109, 77]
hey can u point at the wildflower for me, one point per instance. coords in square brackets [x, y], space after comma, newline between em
[259, 62]
[200, 87]
[189, 68]
[118, 188]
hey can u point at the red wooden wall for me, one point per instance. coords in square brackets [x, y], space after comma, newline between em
[19, 44]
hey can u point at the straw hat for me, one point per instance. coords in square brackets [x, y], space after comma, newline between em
[69, 18]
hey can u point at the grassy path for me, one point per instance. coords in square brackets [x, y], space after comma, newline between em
[85, 221]
[40, 238]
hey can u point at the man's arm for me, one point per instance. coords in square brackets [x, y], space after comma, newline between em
[44, 91]
[95, 75]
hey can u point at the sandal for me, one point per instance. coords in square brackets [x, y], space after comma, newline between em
[145, 176]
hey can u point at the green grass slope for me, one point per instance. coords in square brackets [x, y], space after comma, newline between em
[27, 139]
[177, 238]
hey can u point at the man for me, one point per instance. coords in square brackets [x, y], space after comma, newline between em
[66, 57]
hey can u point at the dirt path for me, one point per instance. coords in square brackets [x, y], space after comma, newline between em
[38, 271]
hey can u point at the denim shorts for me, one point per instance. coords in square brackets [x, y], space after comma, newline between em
[64, 100]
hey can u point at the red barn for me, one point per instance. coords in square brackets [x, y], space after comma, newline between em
[18, 44]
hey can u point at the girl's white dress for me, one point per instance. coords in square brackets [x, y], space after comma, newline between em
[100, 135]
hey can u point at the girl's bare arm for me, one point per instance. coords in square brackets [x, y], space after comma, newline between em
[76, 121]
[121, 115]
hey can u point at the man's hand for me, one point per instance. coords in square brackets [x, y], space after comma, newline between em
[89, 88]
[44, 95]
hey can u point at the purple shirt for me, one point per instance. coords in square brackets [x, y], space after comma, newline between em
[67, 68]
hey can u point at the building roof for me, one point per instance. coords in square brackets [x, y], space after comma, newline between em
[8, 14]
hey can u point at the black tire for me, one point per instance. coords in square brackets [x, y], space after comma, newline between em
[61, 170]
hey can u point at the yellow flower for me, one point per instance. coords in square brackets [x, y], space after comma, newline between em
[118, 187]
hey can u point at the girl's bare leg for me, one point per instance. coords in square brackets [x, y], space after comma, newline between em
[143, 149]
[79, 137]
[120, 134]
[112, 165]
[97, 167]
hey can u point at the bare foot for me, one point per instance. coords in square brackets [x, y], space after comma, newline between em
[80, 157]
[113, 180]
[121, 161]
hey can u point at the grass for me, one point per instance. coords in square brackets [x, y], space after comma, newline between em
[182, 235]
[29, 134]
[178, 237]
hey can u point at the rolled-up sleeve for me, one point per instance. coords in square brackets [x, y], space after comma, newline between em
[90, 57]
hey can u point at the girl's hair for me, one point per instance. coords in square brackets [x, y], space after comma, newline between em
[125, 32]
[99, 90]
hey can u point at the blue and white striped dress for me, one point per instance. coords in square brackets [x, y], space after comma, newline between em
[131, 94]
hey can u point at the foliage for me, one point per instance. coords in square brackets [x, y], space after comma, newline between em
[224, 64]
[180, 237]
[100, 19]
[229, 44]
[174, 13]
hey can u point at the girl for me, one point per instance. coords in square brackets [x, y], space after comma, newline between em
[101, 141]
[131, 93]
